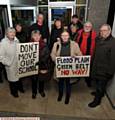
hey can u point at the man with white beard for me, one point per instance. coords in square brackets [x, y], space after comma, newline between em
[86, 40]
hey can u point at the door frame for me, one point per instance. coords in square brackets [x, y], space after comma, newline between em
[59, 5]
[27, 8]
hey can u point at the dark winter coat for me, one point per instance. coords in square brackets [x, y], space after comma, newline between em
[22, 36]
[42, 28]
[44, 55]
[104, 58]
[55, 33]
[78, 25]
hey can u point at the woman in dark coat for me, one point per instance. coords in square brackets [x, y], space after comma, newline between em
[20, 33]
[43, 64]
[73, 32]
[56, 32]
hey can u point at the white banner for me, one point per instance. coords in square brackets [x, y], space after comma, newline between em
[28, 56]
[78, 66]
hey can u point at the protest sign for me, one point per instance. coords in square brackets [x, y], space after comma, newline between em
[28, 56]
[78, 66]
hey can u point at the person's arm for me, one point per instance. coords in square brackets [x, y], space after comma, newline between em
[112, 58]
[53, 52]
[78, 51]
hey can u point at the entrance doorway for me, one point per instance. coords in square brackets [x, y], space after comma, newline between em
[63, 9]
[64, 13]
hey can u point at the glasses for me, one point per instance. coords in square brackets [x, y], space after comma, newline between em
[103, 30]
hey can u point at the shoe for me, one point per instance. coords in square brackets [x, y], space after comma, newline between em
[95, 102]
[15, 95]
[42, 94]
[67, 99]
[60, 97]
[33, 96]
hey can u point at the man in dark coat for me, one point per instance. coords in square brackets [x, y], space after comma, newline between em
[75, 21]
[104, 63]
[41, 26]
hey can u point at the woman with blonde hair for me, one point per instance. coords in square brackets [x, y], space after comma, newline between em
[8, 55]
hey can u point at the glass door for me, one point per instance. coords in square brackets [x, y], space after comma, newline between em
[64, 13]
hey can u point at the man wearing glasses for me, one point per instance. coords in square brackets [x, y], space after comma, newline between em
[103, 67]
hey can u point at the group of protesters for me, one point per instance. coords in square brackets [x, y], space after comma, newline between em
[77, 39]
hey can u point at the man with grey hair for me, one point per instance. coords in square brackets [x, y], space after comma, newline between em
[103, 67]
[86, 40]
[41, 26]
[8, 55]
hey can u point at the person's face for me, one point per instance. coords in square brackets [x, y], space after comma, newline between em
[40, 18]
[18, 28]
[36, 37]
[73, 29]
[104, 32]
[65, 37]
[58, 24]
[87, 27]
[11, 35]
[75, 20]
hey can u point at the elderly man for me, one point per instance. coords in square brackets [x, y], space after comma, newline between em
[104, 63]
[41, 26]
[86, 40]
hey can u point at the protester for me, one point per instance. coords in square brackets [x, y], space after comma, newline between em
[103, 67]
[73, 32]
[75, 21]
[86, 40]
[56, 32]
[42, 27]
[42, 75]
[20, 33]
[65, 47]
[8, 55]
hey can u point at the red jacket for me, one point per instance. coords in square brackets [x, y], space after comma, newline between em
[86, 42]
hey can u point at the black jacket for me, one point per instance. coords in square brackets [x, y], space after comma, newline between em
[44, 56]
[78, 25]
[22, 36]
[55, 33]
[104, 58]
[43, 30]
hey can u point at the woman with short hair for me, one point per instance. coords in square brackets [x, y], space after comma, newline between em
[8, 58]
[42, 75]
